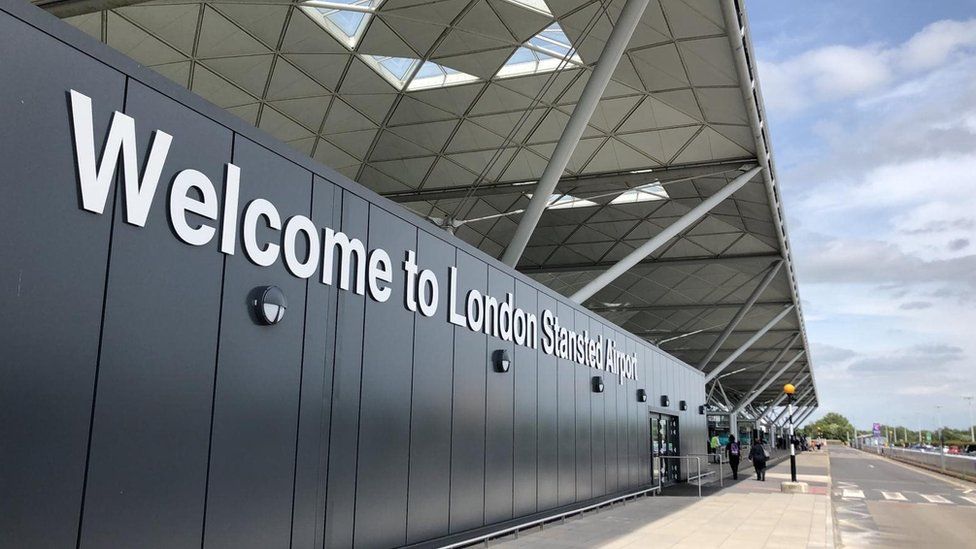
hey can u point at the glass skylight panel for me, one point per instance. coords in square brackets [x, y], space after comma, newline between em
[537, 5]
[565, 201]
[396, 70]
[643, 193]
[344, 19]
[432, 75]
[547, 51]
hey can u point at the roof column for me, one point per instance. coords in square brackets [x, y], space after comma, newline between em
[773, 364]
[647, 248]
[749, 343]
[623, 29]
[763, 284]
[752, 396]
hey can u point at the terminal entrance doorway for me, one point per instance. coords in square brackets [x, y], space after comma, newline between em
[664, 442]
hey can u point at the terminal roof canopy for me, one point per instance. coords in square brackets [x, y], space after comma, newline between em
[453, 107]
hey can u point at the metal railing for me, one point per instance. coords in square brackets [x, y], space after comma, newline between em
[549, 518]
[660, 477]
[952, 464]
[721, 461]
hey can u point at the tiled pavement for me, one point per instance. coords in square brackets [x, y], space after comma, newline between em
[747, 514]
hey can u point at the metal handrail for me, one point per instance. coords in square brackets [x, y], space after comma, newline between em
[660, 478]
[721, 460]
[549, 518]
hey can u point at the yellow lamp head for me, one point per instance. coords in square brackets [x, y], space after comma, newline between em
[789, 389]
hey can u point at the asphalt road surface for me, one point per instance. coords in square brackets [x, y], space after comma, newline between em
[880, 503]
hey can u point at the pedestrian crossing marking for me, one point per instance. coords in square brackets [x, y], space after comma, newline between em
[894, 496]
[935, 499]
[969, 499]
[849, 493]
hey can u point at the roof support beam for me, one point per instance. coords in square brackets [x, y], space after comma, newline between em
[664, 175]
[799, 401]
[749, 342]
[782, 396]
[746, 307]
[690, 306]
[808, 413]
[682, 262]
[622, 31]
[673, 230]
[68, 8]
[752, 394]
[775, 361]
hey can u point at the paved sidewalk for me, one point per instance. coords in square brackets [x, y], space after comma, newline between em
[746, 514]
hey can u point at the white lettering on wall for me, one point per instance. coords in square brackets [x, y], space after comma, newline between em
[297, 243]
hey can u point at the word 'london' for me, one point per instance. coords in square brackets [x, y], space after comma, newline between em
[300, 246]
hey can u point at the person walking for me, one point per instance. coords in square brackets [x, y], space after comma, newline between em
[758, 455]
[732, 451]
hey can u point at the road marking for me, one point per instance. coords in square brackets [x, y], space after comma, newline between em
[969, 499]
[895, 496]
[935, 499]
[871, 466]
[848, 493]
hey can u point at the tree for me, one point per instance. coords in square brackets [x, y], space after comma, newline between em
[832, 425]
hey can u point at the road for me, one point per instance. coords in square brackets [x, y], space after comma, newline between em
[879, 503]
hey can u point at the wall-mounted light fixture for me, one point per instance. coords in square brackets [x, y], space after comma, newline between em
[501, 361]
[701, 410]
[665, 401]
[598, 384]
[682, 405]
[269, 304]
[641, 395]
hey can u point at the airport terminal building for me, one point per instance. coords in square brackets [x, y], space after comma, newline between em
[377, 273]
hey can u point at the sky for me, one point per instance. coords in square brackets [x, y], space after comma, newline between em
[872, 113]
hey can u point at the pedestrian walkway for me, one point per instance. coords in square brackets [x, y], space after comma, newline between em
[746, 513]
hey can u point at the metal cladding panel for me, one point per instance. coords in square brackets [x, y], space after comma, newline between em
[584, 388]
[468, 430]
[525, 365]
[499, 416]
[566, 406]
[645, 355]
[598, 417]
[147, 470]
[429, 498]
[610, 423]
[548, 420]
[633, 441]
[258, 382]
[346, 382]
[53, 259]
[384, 417]
[312, 452]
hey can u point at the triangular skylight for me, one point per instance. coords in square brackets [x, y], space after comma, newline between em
[431, 75]
[346, 20]
[547, 51]
[565, 201]
[643, 193]
[396, 70]
[537, 5]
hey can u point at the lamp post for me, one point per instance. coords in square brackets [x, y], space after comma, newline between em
[972, 435]
[941, 437]
[789, 389]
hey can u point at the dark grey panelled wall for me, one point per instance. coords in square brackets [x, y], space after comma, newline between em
[142, 405]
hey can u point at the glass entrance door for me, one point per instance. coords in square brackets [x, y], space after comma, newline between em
[664, 442]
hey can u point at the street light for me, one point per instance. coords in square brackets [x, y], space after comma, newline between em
[789, 389]
[972, 436]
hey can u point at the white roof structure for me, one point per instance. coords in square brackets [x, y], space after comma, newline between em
[454, 107]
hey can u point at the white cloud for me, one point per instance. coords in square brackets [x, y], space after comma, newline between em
[840, 71]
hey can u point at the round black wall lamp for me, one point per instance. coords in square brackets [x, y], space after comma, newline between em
[270, 305]
[682, 405]
[665, 401]
[641, 395]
